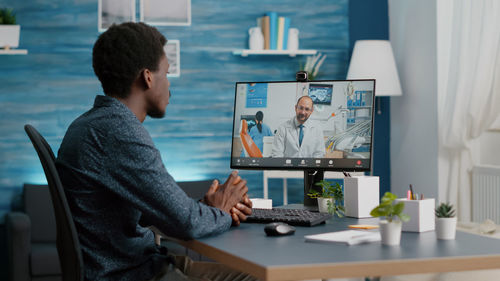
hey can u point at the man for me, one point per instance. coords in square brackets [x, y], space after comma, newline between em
[299, 137]
[114, 177]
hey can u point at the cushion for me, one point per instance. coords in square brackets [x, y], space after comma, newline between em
[44, 259]
[38, 206]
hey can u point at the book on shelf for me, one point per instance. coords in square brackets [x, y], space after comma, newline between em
[281, 30]
[285, 33]
[273, 30]
[265, 31]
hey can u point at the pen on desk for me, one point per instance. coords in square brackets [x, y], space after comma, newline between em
[411, 191]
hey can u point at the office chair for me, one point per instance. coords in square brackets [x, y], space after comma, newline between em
[248, 144]
[68, 245]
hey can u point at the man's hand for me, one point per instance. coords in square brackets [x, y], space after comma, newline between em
[228, 195]
[240, 212]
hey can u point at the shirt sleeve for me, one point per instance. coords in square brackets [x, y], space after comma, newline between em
[136, 173]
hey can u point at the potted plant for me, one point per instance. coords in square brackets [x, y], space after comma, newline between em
[390, 229]
[446, 223]
[9, 31]
[329, 199]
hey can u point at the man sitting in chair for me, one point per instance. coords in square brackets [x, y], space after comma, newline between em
[299, 136]
[115, 180]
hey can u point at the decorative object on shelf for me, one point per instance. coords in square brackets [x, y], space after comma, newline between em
[114, 12]
[166, 12]
[330, 198]
[173, 52]
[446, 222]
[390, 229]
[312, 65]
[374, 59]
[255, 39]
[293, 39]
[9, 30]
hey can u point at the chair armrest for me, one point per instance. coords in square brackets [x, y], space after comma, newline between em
[18, 227]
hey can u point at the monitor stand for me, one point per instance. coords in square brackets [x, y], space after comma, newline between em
[311, 177]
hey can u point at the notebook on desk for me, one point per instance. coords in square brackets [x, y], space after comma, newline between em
[349, 237]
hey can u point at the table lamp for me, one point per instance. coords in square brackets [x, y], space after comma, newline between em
[373, 59]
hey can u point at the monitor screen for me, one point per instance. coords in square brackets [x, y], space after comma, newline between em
[320, 125]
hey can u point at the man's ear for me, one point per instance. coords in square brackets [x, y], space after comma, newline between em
[147, 78]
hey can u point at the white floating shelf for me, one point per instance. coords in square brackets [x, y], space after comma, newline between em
[292, 53]
[13, 52]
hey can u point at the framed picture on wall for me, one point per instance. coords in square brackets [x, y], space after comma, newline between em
[173, 52]
[114, 11]
[166, 12]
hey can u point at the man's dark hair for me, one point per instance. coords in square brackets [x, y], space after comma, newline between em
[122, 52]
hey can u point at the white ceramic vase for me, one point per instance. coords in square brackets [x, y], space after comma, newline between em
[323, 204]
[390, 232]
[9, 35]
[446, 228]
[255, 39]
[293, 39]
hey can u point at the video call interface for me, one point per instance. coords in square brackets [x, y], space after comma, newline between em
[336, 119]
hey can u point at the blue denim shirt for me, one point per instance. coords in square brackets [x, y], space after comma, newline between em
[115, 181]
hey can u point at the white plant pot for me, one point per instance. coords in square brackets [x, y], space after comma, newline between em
[9, 35]
[390, 232]
[446, 228]
[323, 204]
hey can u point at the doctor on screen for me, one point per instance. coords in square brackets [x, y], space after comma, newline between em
[300, 137]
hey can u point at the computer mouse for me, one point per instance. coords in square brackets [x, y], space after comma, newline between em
[278, 229]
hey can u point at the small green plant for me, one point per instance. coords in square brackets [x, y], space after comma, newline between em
[445, 210]
[7, 16]
[330, 191]
[389, 210]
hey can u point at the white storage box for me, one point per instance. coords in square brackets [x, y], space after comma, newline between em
[421, 214]
[361, 195]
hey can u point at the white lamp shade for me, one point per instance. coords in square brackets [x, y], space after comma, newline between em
[373, 59]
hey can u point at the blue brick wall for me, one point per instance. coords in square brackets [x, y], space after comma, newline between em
[54, 83]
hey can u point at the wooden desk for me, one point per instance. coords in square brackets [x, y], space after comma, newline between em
[248, 249]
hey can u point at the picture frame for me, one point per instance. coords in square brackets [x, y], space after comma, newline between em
[173, 51]
[166, 12]
[114, 11]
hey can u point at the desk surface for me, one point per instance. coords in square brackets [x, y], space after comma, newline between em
[248, 249]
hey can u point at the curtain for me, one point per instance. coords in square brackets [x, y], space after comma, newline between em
[472, 96]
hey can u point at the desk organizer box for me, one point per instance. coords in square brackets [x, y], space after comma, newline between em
[361, 195]
[421, 214]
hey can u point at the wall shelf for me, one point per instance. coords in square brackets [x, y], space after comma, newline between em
[292, 53]
[13, 52]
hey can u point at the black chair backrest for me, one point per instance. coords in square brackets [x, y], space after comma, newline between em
[68, 245]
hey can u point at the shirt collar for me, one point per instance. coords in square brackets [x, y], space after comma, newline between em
[107, 101]
[297, 124]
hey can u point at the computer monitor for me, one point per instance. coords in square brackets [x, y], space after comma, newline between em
[336, 136]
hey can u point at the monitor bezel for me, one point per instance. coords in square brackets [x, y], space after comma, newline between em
[324, 169]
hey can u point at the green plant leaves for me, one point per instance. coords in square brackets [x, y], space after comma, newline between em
[330, 191]
[7, 16]
[389, 210]
[445, 210]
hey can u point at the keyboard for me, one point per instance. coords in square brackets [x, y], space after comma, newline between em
[291, 216]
